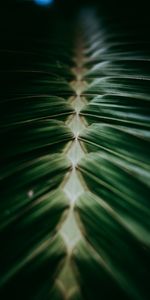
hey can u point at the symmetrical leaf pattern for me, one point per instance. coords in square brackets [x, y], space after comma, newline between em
[74, 179]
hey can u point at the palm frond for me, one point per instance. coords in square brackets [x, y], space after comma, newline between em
[74, 177]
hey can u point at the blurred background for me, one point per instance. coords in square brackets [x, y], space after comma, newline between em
[24, 21]
[26, 16]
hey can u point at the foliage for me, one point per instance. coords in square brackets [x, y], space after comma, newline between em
[111, 258]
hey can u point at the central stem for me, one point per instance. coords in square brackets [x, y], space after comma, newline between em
[73, 186]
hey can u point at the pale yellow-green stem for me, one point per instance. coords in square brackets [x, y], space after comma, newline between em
[72, 184]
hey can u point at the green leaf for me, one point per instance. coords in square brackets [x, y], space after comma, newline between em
[126, 143]
[23, 278]
[118, 183]
[116, 250]
[121, 109]
[74, 117]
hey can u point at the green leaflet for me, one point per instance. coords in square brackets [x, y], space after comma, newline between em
[97, 277]
[94, 275]
[34, 138]
[128, 145]
[27, 227]
[35, 70]
[24, 278]
[116, 250]
[118, 109]
[32, 108]
[118, 183]
[113, 214]
[135, 68]
[28, 181]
